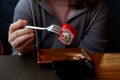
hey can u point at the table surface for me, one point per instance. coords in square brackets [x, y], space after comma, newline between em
[107, 67]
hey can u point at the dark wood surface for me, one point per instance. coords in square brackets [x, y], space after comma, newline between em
[107, 67]
[24, 68]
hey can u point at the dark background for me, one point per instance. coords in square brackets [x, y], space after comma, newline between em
[7, 12]
[114, 25]
[6, 16]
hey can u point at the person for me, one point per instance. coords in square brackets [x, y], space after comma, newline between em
[88, 17]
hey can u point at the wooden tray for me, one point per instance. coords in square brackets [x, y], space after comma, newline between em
[49, 55]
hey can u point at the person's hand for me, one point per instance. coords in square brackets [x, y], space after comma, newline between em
[20, 38]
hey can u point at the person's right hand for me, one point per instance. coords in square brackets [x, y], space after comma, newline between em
[20, 38]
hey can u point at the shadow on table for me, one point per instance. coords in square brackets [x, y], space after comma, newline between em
[74, 70]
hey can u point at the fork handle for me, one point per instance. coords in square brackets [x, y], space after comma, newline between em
[34, 27]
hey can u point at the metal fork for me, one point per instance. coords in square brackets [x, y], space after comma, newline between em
[51, 28]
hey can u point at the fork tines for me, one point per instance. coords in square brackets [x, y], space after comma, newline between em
[55, 29]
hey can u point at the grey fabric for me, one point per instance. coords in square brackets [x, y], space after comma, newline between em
[93, 41]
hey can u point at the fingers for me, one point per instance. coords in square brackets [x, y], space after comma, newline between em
[22, 39]
[19, 33]
[23, 48]
[17, 25]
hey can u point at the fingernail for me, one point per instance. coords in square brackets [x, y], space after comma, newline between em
[31, 34]
[32, 30]
[24, 22]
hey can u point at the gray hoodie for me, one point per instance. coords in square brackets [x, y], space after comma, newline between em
[91, 25]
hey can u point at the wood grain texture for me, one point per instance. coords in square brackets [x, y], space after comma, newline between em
[107, 65]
